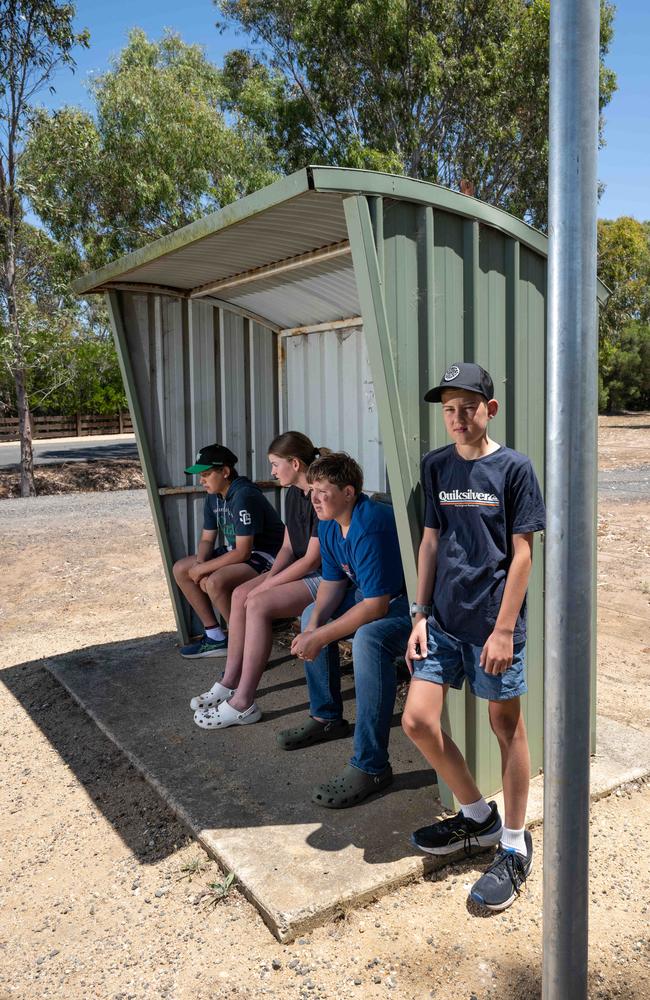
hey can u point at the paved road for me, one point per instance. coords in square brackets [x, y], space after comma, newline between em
[81, 449]
[617, 484]
[625, 484]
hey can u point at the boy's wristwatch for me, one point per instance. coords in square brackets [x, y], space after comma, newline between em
[420, 609]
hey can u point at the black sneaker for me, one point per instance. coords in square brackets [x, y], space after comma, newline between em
[459, 834]
[502, 882]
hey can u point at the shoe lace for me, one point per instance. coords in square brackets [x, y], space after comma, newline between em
[457, 825]
[509, 864]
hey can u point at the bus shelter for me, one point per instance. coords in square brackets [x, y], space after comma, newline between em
[329, 302]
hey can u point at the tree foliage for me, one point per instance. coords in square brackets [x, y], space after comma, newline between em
[67, 353]
[36, 37]
[624, 376]
[624, 266]
[443, 90]
[624, 323]
[156, 154]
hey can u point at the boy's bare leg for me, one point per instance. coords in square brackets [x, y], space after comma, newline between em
[509, 728]
[237, 631]
[286, 601]
[220, 585]
[198, 599]
[421, 723]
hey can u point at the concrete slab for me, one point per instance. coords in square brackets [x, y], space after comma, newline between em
[248, 802]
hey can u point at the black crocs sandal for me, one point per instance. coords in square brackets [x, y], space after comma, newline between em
[312, 731]
[351, 787]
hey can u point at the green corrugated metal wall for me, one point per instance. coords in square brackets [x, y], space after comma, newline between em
[456, 289]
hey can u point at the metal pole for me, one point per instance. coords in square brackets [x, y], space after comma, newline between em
[570, 478]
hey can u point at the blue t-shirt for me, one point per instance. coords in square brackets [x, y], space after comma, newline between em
[369, 554]
[244, 511]
[477, 506]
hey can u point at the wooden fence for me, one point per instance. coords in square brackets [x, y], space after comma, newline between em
[77, 425]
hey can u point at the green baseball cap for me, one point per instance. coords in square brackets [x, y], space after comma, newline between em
[210, 457]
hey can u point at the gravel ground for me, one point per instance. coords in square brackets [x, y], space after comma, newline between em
[104, 896]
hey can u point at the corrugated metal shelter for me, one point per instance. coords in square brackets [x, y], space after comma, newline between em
[329, 302]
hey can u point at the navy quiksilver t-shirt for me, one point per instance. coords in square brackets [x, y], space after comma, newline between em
[477, 506]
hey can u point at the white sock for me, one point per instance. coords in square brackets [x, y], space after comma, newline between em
[514, 840]
[478, 811]
[215, 633]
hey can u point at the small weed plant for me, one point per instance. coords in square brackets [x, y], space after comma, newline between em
[191, 869]
[218, 891]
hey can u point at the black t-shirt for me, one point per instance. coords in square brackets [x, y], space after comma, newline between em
[301, 520]
[477, 506]
[244, 511]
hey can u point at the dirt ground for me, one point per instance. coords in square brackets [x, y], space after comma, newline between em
[103, 894]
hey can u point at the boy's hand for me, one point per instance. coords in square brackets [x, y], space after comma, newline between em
[197, 572]
[417, 644]
[307, 645]
[496, 655]
[266, 584]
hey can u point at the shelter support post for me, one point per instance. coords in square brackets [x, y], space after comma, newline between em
[403, 483]
[124, 357]
[570, 477]
[382, 364]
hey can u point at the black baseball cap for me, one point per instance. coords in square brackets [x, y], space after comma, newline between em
[213, 455]
[463, 375]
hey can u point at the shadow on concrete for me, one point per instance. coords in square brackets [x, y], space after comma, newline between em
[138, 693]
[243, 797]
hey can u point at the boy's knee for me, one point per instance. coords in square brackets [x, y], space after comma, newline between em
[212, 585]
[416, 724]
[180, 568]
[505, 719]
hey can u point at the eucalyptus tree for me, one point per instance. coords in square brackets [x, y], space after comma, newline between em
[36, 38]
[450, 91]
[154, 153]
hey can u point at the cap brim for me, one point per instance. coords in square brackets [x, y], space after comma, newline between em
[194, 469]
[435, 395]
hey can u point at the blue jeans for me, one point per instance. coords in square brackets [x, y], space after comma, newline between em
[374, 649]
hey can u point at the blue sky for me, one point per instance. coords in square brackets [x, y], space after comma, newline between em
[623, 164]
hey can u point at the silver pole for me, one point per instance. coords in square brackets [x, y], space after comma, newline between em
[571, 405]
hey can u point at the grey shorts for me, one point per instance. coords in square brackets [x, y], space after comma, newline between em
[312, 581]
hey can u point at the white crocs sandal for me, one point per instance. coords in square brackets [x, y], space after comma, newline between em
[210, 699]
[225, 715]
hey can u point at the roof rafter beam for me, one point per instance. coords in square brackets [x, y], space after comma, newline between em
[330, 252]
[333, 324]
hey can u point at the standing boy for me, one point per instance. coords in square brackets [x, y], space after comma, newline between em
[253, 534]
[483, 504]
[361, 594]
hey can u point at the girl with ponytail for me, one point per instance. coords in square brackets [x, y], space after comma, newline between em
[283, 592]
